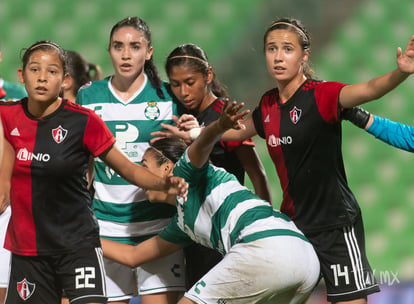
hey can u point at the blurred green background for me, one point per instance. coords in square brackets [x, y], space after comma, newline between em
[352, 41]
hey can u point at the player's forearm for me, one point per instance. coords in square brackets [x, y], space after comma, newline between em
[201, 148]
[393, 133]
[119, 252]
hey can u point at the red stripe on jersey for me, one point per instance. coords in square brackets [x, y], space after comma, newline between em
[218, 105]
[21, 132]
[271, 124]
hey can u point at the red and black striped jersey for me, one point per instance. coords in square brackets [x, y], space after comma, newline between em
[303, 137]
[50, 202]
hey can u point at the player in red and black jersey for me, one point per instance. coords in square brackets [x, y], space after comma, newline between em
[300, 121]
[53, 234]
[195, 85]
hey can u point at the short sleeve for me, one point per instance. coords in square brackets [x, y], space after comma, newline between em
[172, 233]
[97, 137]
[327, 99]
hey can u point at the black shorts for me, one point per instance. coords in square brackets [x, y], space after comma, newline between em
[42, 279]
[344, 264]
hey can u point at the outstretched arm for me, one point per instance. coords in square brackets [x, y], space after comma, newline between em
[248, 131]
[393, 133]
[357, 94]
[134, 256]
[142, 177]
[358, 116]
[199, 151]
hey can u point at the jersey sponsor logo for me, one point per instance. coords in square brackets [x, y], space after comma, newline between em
[267, 119]
[274, 141]
[125, 133]
[25, 155]
[295, 115]
[152, 112]
[15, 132]
[25, 289]
[59, 134]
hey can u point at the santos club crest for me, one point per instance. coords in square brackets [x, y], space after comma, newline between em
[25, 289]
[59, 134]
[295, 114]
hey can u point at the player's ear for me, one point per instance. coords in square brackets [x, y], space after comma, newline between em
[168, 168]
[21, 75]
[67, 82]
[210, 75]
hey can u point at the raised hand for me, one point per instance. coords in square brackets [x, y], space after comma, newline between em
[231, 117]
[405, 61]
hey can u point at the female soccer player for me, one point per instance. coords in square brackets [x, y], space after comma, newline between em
[132, 102]
[266, 258]
[53, 234]
[194, 83]
[299, 119]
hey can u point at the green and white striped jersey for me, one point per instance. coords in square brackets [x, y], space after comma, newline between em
[220, 212]
[122, 209]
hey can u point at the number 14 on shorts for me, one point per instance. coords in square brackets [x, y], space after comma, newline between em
[338, 273]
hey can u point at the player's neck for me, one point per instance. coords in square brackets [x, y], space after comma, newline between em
[127, 87]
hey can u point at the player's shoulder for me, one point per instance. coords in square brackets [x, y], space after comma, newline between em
[11, 108]
[270, 93]
[69, 105]
[95, 85]
[311, 84]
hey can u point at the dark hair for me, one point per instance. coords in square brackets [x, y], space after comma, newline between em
[81, 70]
[168, 148]
[295, 26]
[149, 66]
[193, 56]
[44, 45]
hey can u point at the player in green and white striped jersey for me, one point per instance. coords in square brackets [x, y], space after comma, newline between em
[133, 103]
[267, 259]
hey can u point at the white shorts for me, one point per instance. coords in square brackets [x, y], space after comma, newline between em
[161, 275]
[279, 269]
[4, 253]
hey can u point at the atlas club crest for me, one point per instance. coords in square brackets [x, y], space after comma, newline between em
[59, 134]
[295, 115]
[25, 289]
